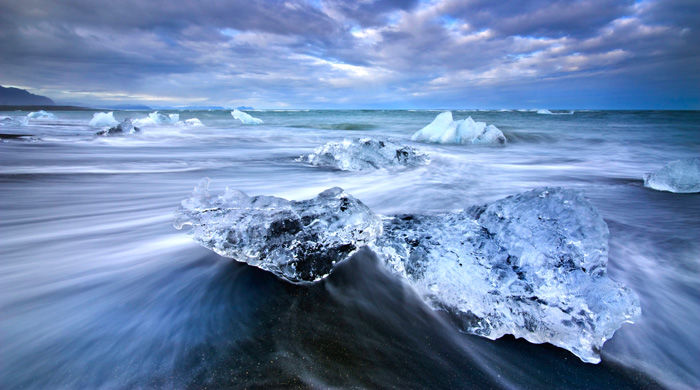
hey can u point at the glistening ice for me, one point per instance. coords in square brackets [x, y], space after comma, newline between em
[364, 153]
[532, 265]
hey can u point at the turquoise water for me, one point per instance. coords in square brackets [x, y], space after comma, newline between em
[100, 290]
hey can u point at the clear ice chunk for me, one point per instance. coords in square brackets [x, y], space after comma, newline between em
[126, 127]
[364, 153]
[680, 176]
[299, 241]
[532, 265]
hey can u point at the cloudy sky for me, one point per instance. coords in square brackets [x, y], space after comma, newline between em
[356, 54]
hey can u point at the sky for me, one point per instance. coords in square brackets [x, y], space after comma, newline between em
[611, 54]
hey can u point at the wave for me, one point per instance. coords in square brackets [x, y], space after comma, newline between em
[547, 112]
[337, 126]
[518, 136]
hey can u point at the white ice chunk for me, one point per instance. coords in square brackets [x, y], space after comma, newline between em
[157, 119]
[246, 118]
[681, 176]
[364, 153]
[103, 119]
[193, 122]
[40, 115]
[444, 130]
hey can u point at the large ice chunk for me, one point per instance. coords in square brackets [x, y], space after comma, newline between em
[246, 118]
[681, 176]
[299, 241]
[41, 114]
[364, 153]
[103, 119]
[532, 265]
[126, 127]
[157, 119]
[444, 130]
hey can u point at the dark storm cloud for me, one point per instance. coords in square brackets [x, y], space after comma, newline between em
[350, 53]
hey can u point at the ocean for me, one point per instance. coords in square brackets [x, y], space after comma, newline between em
[99, 290]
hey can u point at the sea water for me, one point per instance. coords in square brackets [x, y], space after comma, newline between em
[99, 289]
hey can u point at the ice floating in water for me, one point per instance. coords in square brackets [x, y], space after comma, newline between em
[126, 127]
[532, 265]
[364, 153]
[40, 115]
[297, 241]
[681, 176]
[157, 119]
[102, 119]
[246, 118]
[192, 122]
[547, 112]
[444, 130]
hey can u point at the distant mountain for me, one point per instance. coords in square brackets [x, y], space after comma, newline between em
[20, 97]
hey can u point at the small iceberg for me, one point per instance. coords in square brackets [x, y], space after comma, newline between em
[124, 128]
[157, 119]
[680, 176]
[364, 153]
[103, 119]
[192, 122]
[299, 241]
[444, 130]
[246, 118]
[544, 111]
[41, 115]
[532, 265]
